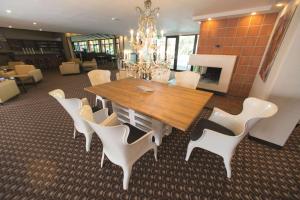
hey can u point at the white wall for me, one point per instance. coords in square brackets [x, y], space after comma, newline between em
[282, 87]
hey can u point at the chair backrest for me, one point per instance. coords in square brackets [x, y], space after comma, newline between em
[98, 77]
[187, 79]
[14, 63]
[75, 60]
[72, 106]
[161, 75]
[69, 64]
[114, 138]
[122, 74]
[24, 69]
[255, 109]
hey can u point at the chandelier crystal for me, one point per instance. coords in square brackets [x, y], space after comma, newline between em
[145, 43]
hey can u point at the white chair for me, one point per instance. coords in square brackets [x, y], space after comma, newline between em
[73, 106]
[223, 131]
[123, 144]
[187, 79]
[98, 77]
[122, 74]
[161, 75]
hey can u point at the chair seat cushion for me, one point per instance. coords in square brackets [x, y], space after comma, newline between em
[134, 133]
[207, 124]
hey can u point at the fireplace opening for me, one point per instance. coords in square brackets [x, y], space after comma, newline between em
[209, 74]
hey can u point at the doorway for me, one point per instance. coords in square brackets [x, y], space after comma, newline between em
[178, 49]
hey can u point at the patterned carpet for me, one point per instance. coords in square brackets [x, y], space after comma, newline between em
[39, 159]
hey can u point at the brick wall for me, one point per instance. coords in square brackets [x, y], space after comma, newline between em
[245, 37]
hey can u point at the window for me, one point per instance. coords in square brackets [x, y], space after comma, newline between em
[185, 49]
[98, 46]
[94, 46]
[107, 46]
[178, 50]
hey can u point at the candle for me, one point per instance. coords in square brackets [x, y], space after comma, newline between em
[162, 33]
[131, 34]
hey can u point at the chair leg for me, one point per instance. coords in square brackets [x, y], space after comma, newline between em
[189, 151]
[88, 140]
[102, 158]
[127, 173]
[155, 152]
[74, 133]
[227, 164]
[103, 103]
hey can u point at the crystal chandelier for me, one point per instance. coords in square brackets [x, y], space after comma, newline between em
[145, 43]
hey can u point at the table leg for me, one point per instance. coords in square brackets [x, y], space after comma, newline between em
[142, 122]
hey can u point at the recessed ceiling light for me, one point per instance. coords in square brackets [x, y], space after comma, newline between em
[253, 13]
[8, 11]
[115, 19]
[209, 19]
[279, 4]
[9, 26]
[41, 29]
[34, 23]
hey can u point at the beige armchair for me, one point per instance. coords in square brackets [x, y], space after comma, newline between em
[29, 70]
[89, 65]
[7, 74]
[12, 64]
[8, 89]
[69, 68]
[76, 60]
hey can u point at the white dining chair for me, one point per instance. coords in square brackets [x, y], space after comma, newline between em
[222, 132]
[98, 77]
[161, 75]
[187, 79]
[122, 74]
[123, 144]
[73, 106]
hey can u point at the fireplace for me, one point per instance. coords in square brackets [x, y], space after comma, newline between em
[210, 74]
[215, 70]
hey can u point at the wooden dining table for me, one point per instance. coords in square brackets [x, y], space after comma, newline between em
[160, 109]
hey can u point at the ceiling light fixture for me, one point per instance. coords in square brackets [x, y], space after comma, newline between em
[34, 23]
[8, 11]
[146, 43]
[9, 26]
[279, 4]
[40, 29]
[115, 19]
[209, 19]
[253, 13]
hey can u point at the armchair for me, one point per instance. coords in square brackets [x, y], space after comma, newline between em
[187, 79]
[123, 144]
[73, 106]
[89, 65]
[69, 68]
[12, 64]
[223, 132]
[98, 77]
[8, 89]
[29, 70]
